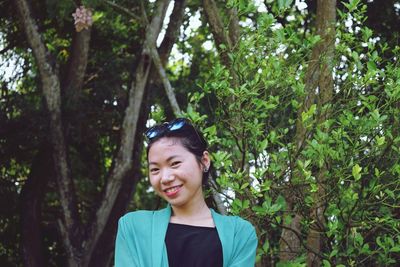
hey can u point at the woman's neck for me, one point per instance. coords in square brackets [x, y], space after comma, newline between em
[198, 214]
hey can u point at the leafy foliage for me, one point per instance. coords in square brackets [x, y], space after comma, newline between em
[253, 136]
[350, 155]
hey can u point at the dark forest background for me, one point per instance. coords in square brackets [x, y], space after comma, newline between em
[300, 101]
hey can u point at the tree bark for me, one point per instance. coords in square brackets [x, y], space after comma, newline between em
[73, 80]
[123, 161]
[167, 85]
[172, 32]
[234, 30]
[159, 61]
[290, 243]
[105, 247]
[222, 37]
[324, 55]
[319, 89]
[78, 245]
[225, 42]
[31, 197]
[52, 93]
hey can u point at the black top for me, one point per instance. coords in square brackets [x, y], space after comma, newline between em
[194, 246]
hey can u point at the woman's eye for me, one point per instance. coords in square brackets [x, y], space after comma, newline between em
[175, 163]
[153, 170]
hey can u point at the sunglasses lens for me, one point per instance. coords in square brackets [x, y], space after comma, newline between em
[153, 132]
[176, 125]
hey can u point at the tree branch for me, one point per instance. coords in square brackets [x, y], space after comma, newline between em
[103, 253]
[52, 94]
[234, 30]
[218, 31]
[298, 235]
[73, 81]
[160, 60]
[172, 32]
[163, 75]
[31, 197]
[124, 10]
[123, 160]
[323, 53]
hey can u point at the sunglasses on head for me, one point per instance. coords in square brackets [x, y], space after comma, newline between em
[174, 125]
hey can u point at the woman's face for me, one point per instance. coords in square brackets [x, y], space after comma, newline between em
[175, 173]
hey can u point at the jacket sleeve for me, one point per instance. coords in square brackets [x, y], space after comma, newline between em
[125, 247]
[244, 254]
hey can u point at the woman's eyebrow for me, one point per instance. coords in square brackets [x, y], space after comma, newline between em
[168, 159]
[172, 157]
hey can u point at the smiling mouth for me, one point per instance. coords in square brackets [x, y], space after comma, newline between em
[172, 190]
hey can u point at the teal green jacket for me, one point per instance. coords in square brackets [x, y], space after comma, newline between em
[141, 235]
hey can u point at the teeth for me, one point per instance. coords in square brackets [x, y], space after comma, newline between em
[172, 189]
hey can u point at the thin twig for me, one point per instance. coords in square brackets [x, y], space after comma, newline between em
[124, 10]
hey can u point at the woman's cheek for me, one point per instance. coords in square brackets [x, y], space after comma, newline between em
[153, 182]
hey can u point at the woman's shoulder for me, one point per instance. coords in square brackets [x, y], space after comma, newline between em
[132, 220]
[238, 223]
[140, 217]
[138, 214]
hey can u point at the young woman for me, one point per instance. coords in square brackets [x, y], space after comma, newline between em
[186, 233]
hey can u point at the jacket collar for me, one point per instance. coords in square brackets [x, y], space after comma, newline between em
[225, 234]
[159, 228]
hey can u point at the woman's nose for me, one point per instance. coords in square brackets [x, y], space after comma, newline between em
[167, 177]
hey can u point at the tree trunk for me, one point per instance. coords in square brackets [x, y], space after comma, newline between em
[324, 55]
[105, 247]
[31, 197]
[52, 94]
[290, 243]
[79, 245]
[76, 69]
[225, 41]
[123, 161]
[319, 89]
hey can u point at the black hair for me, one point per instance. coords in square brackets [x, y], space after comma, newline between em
[191, 139]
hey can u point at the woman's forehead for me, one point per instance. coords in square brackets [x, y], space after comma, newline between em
[167, 141]
[165, 146]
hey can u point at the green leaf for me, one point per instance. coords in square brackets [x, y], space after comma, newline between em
[333, 253]
[359, 239]
[97, 16]
[356, 172]
[265, 247]
[352, 5]
[244, 186]
[395, 249]
[326, 263]
[284, 4]
[380, 140]
[263, 145]
[314, 188]
[309, 113]
[390, 193]
[371, 66]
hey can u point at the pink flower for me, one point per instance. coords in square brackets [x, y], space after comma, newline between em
[83, 18]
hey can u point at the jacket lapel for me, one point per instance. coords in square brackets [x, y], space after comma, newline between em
[226, 235]
[159, 229]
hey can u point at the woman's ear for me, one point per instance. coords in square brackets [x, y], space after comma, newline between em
[206, 161]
